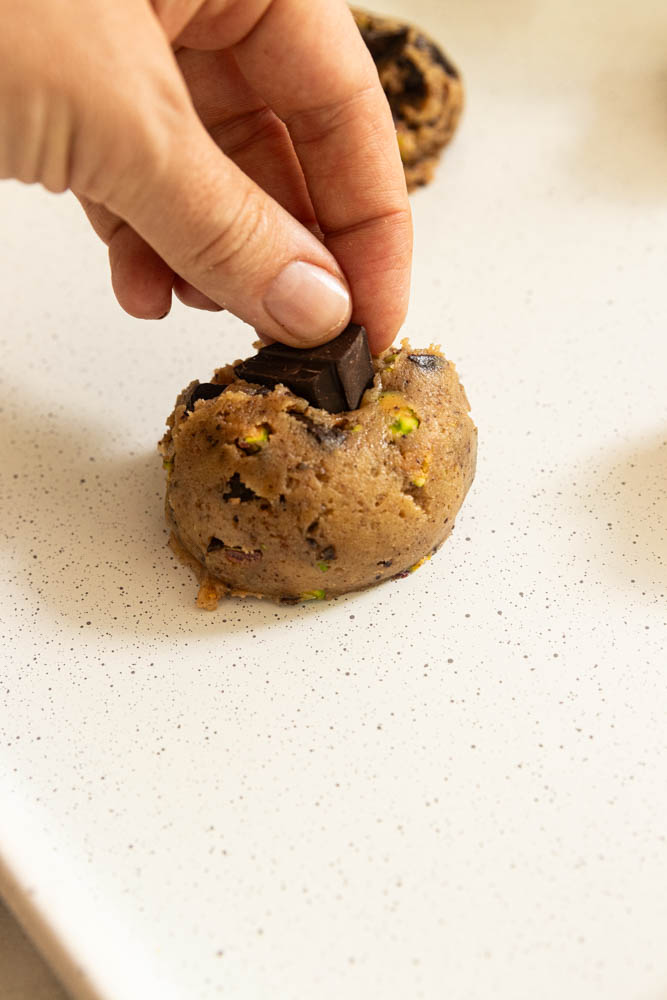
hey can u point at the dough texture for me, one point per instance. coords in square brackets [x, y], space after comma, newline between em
[271, 497]
[423, 88]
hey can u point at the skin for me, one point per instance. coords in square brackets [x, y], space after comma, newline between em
[211, 142]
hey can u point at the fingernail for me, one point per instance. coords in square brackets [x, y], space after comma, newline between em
[307, 300]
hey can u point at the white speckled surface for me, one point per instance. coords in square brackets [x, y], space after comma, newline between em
[450, 786]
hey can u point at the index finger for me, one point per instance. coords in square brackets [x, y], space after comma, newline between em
[308, 61]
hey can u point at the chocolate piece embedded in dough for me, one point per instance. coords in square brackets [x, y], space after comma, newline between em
[427, 362]
[204, 390]
[332, 377]
[330, 502]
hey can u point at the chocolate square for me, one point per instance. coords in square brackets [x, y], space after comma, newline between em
[332, 377]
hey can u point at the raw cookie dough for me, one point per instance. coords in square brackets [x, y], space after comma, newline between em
[272, 497]
[423, 88]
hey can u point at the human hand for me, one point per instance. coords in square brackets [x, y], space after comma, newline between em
[218, 179]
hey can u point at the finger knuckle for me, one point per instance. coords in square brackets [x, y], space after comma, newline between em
[243, 132]
[316, 124]
[235, 246]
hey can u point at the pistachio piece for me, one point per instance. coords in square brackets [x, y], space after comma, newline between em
[312, 595]
[255, 440]
[405, 422]
[420, 479]
[404, 419]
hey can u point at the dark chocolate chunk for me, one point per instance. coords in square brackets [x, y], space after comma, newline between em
[239, 556]
[328, 553]
[204, 390]
[233, 554]
[385, 562]
[437, 55]
[255, 390]
[328, 437]
[315, 381]
[332, 377]
[385, 43]
[427, 362]
[237, 490]
[414, 85]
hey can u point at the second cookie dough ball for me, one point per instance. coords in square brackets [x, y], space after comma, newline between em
[423, 88]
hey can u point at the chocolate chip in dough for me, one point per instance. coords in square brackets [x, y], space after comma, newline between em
[204, 390]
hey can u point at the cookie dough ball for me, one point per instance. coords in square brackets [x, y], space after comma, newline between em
[269, 496]
[423, 88]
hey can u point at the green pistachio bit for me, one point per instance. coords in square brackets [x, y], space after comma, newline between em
[390, 362]
[324, 566]
[168, 464]
[259, 436]
[419, 481]
[312, 595]
[255, 440]
[405, 422]
[356, 428]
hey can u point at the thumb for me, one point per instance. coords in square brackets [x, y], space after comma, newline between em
[228, 238]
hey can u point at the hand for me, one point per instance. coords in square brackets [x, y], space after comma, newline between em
[240, 152]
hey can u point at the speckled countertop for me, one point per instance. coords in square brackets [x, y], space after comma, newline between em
[454, 784]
